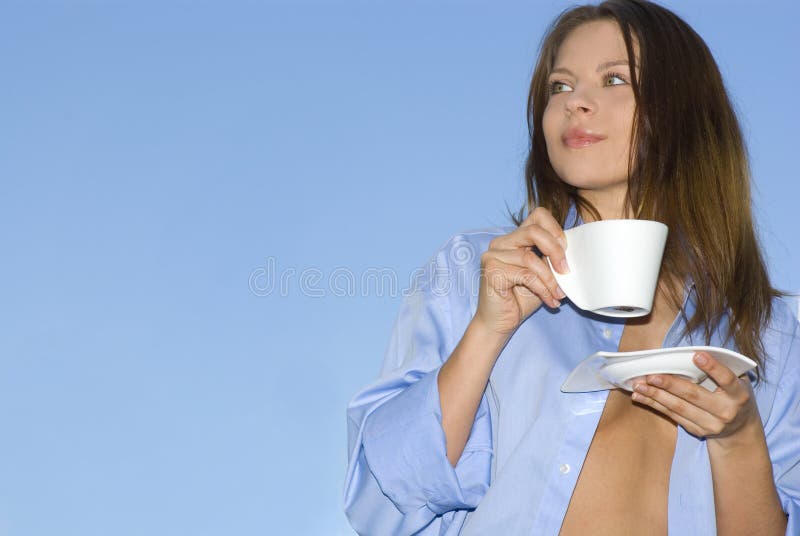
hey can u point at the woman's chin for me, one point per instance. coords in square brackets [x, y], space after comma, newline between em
[594, 182]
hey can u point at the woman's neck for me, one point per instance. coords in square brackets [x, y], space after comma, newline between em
[609, 203]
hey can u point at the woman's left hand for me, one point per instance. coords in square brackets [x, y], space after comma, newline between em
[720, 414]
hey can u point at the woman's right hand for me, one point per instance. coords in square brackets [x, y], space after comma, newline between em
[514, 280]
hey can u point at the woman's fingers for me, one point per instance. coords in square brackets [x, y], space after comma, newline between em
[515, 281]
[528, 270]
[511, 276]
[528, 259]
[542, 217]
[540, 229]
[700, 411]
[722, 375]
[678, 396]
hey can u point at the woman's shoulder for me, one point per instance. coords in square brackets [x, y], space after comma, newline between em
[458, 258]
[785, 313]
[782, 338]
[462, 250]
[790, 304]
[476, 238]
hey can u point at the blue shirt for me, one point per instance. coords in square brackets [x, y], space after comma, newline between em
[529, 440]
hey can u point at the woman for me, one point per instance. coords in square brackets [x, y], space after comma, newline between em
[467, 432]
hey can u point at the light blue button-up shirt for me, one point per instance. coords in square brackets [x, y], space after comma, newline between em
[529, 440]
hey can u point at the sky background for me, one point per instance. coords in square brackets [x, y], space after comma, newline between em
[164, 164]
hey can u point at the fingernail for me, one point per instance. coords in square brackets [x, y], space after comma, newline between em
[700, 359]
[563, 267]
[560, 293]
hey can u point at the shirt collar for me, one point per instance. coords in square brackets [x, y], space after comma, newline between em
[573, 217]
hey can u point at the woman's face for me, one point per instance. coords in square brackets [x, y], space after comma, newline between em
[590, 97]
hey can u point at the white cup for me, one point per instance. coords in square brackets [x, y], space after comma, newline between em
[614, 266]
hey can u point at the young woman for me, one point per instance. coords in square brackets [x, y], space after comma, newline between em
[467, 432]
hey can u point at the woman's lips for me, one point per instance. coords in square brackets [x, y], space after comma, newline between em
[577, 138]
[577, 143]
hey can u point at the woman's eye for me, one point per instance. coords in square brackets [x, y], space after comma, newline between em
[609, 76]
[554, 86]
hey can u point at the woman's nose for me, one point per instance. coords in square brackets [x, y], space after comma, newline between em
[580, 102]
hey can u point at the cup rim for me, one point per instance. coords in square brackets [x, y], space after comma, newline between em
[617, 220]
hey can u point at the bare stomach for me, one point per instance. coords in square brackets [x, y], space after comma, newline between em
[623, 487]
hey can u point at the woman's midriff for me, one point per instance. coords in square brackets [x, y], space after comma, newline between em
[623, 486]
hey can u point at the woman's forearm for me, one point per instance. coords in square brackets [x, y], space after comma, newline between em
[462, 381]
[744, 490]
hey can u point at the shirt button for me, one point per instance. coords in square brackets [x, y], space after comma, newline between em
[607, 333]
[564, 468]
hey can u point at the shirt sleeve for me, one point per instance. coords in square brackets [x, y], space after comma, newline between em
[783, 433]
[399, 480]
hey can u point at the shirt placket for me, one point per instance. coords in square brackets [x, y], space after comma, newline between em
[586, 410]
[609, 336]
[568, 461]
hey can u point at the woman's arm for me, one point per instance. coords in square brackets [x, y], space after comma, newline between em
[399, 479]
[744, 489]
[745, 493]
[514, 283]
[462, 382]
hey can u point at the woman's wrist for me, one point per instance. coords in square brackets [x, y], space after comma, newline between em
[749, 437]
[488, 337]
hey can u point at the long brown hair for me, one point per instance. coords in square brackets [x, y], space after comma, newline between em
[688, 168]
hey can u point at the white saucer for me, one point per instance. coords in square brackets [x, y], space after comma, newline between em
[609, 370]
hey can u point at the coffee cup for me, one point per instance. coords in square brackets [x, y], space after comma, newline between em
[614, 266]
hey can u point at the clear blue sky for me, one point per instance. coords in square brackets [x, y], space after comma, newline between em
[159, 159]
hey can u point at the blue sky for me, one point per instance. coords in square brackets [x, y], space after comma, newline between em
[158, 159]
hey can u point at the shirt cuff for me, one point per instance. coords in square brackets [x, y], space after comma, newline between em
[405, 448]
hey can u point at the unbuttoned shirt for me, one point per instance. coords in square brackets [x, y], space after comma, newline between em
[529, 440]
